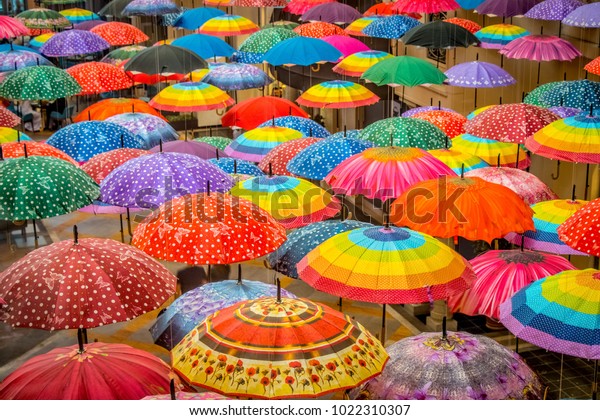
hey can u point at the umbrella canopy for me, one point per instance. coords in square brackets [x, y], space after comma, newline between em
[580, 230]
[87, 139]
[293, 202]
[332, 12]
[458, 161]
[151, 129]
[451, 123]
[125, 281]
[391, 27]
[404, 71]
[356, 28]
[249, 113]
[206, 46]
[39, 83]
[114, 8]
[302, 51]
[420, 109]
[275, 162]
[346, 44]
[469, 25]
[384, 172]
[237, 76]
[356, 64]
[235, 228]
[319, 30]
[77, 15]
[558, 313]
[228, 25]
[196, 148]
[380, 9]
[8, 119]
[149, 181]
[540, 48]
[17, 59]
[306, 126]
[191, 308]
[8, 135]
[574, 93]
[439, 34]
[96, 77]
[564, 111]
[73, 42]
[150, 8]
[119, 33]
[497, 36]
[38, 41]
[99, 166]
[427, 6]
[477, 74]
[237, 166]
[202, 396]
[162, 59]
[500, 274]
[253, 145]
[17, 149]
[219, 142]
[489, 150]
[40, 18]
[303, 240]
[298, 7]
[122, 54]
[585, 16]
[284, 24]
[528, 186]
[191, 97]
[252, 50]
[480, 210]
[273, 359]
[99, 371]
[549, 215]
[385, 265]
[192, 19]
[337, 94]
[405, 132]
[505, 8]
[106, 108]
[12, 28]
[453, 366]
[38, 187]
[553, 9]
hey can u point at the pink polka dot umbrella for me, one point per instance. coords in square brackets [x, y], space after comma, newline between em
[8, 119]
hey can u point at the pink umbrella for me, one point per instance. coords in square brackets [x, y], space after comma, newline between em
[346, 44]
[100, 166]
[196, 148]
[11, 28]
[500, 274]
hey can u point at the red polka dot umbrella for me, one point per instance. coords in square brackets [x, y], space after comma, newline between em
[102, 110]
[99, 166]
[451, 123]
[275, 162]
[581, 231]
[14, 150]
[96, 78]
[8, 119]
[118, 33]
[469, 25]
[319, 30]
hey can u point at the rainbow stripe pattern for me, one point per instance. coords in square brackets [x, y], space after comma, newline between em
[497, 36]
[191, 97]
[253, 145]
[38, 41]
[337, 94]
[488, 150]
[228, 25]
[455, 159]
[356, 64]
[356, 27]
[77, 15]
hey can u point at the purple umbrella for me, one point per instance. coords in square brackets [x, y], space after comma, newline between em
[419, 109]
[332, 12]
[505, 8]
[150, 180]
[73, 42]
[564, 111]
[89, 24]
[586, 16]
[149, 127]
[202, 150]
[17, 59]
[237, 76]
[553, 9]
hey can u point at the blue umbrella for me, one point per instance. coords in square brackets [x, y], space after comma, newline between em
[579, 94]
[391, 27]
[318, 159]
[194, 18]
[150, 128]
[303, 240]
[306, 126]
[17, 59]
[469, 4]
[190, 309]
[169, 19]
[237, 166]
[206, 46]
[346, 134]
[237, 76]
[84, 140]
[302, 51]
[254, 48]
[10, 47]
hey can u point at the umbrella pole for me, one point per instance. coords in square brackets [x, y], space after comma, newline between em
[129, 225]
[340, 304]
[595, 383]
[562, 356]
[35, 235]
[383, 324]
[538, 75]
[587, 182]
[475, 100]
[80, 340]
[122, 230]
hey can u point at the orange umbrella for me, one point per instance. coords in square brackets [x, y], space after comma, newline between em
[593, 66]
[118, 33]
[472, 208]
[469, 25]
[108, 107]
[95, 77]
[17, 149]
[319, 30]
[451, 123]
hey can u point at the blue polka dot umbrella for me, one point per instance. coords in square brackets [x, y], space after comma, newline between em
[579, 94]
[87, 139]
[237, 166]
[73, 42]
[345, 134]
[391, 27]
[151, 129]
[306, 126]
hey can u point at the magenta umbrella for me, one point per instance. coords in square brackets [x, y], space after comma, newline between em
[346, 44]
[332, 12]
[202, 150]
[505, 8]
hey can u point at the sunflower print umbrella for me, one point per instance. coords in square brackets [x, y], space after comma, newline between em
[356, 64]
[405, 132]
[39, 83]
[253, 145]
[337, 94]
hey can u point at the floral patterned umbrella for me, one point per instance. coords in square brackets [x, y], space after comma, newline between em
[405, 132]
[306, 126]
[17, 59]
[151, 129]
[39, 18]
[119, 33]
[95, 77]
[252, 50]
[74, 42]
[39, 83]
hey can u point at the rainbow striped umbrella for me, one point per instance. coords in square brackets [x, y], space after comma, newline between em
[549, 215]
[559, 313]
[228, 25]
[191, 97]
[386, 265]
[356, 27]
[9, 135]
[293, 202]
[253, 145]
[77, 15]
[497, 36]
[488, 150]
[356, 64]
[337, 94]
[458, 161]
[38, 41]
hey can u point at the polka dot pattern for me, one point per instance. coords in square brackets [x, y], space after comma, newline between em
[219, 142]
[13, 150]
[103, 164]
[73, 42]
[581, 231]
[8, 119]
[39, 83]
[95, 78]
[237, 166]
[405, 132]
[306, 126]
[319, 30]
[149, 127]
[258, 44]
[275, 162]
[451, 123]
[119, 34]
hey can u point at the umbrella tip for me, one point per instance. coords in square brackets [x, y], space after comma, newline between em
[75, 234]
[239, 280]
[278, 290]
[444, 331]
[172, 389]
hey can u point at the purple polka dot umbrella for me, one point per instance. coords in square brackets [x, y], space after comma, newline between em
[73, 42]
[586, 16]
[553, 9]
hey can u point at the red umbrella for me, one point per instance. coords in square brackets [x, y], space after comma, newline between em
[98, 371]
[118, 33]
[581, 231]
[469, 25]
[387, 9]
[319, 30]
[451, 123]
[424, 6]
[12, 28]
[17, 149]
[298, 7]
[8, 119]
[275, 162]
[106, 108]
[252, 112]
[99, 166]
[95, 77]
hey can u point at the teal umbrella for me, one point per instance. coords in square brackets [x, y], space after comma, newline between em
[39, 83]
[579, 94]
[219, 142]
[405, 132]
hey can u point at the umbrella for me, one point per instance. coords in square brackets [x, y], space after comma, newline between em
[39, 83]
[318, 159]
[385, 172]
[500, 274]
[38, 41]
[191, 97]
[585, 16]
[17, 149]
[427, 6]
[18, 59]
[249, 113]
[252, 50]
[471, 208]
[253, 145]
[458, 161]
[284, 24]
[391, 27]
[228, 25]
[489, 150]
[385, 265]
[293, 202]
[8, 119]
[346, 44]
[345, 134]
[106, 108]
[206, 46]
[469, 25]
[96, 77]
[96, 371]
[319, 30]
[88, 24]
[420, 109]
[191, 308]
[165, 59]
[150, 180]
[237, 166]
[332, 12]
[553, 9]
[405, 132]
[337, 94]
[380, 9]
[306, 126]
[404, 71]
[8, 135]
[558, 313]
[39, 18]
[303, 240]
[580, 231]
[298, 7]
[311, 350]
[356, 64]
[235, 229]
[237, 76]
[77, 15]
[122, 54]
[564, 111]
[505, 8]
[452, 366]
[593, 66]
[12, 28]
[37, 187]
[99, 166]
[196, 148]
[150, 8]
[119, 33]
[439, 34]
[356, 28]
[114, 8]
[73, 42]
[497, 36]
[184, 396]
[575, 94]
[275, 162]
[451, 123]
[194, 18]
[549, 215]
[219, 142]
[151, 129]
[573, 139]
[302, 51]
[540, 48]
[527, 186]
[87, 139]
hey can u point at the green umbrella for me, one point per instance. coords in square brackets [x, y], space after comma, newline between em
[283, 24]
[219, 142]
[43, 19]
[404, 71]
[535, 97]
[37, 187]
[39, 83]
[405, 132]
[256, 45]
